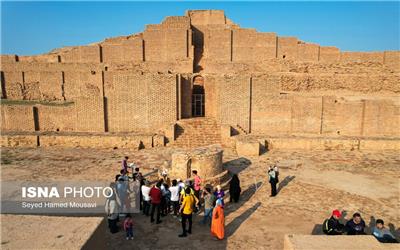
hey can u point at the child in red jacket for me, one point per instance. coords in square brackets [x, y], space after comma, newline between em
[128, 227]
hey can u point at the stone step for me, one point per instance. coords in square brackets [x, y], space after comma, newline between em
[196, 132]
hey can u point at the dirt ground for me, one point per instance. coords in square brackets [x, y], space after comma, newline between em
[312, 184]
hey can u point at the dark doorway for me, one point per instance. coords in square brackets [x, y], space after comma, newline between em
[36, 118]
[198, 97]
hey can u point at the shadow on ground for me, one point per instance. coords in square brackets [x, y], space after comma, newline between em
[238, 165]
[235, 224]
[285, 182]
[244, 197]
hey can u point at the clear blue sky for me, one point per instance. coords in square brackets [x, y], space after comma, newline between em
[37, 27]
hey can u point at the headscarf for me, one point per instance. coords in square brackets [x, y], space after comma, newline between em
[218, 202]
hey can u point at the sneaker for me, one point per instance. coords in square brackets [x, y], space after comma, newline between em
[182, 235]
[127, 238]
[131, 238]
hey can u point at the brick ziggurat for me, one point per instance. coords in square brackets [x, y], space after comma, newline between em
[256, 83]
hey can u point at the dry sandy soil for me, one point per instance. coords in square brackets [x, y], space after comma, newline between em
[312, 185]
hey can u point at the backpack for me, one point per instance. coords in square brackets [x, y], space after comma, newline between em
[325, 226]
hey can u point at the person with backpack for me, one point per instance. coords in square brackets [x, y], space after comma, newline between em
[186, 211]
[332, 226]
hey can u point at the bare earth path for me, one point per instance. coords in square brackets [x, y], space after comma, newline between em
[312, 184]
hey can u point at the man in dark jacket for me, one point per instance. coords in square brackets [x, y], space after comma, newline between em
[332, 226]
[356, 225]
[155, 196]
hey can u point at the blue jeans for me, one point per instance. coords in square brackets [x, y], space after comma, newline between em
[129, 232]
[207, 215]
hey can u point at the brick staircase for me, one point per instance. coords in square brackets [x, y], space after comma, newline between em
[197, 132]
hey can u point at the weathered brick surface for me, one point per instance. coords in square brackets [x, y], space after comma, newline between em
[234, 100]
[13, 84]
[17, 118]
[141, 102]
[90, 114]
[57, 118]
[287, 48]
[308, 52]
[329, 54]
[29, 141]
[128, 51]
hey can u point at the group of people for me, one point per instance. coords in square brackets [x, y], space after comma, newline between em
[124, 199]
[183, 199]
[178, 198]
[356, 226]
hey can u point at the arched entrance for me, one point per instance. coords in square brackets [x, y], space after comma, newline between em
[198, 97]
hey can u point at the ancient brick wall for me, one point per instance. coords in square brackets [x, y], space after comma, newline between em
[274, 112]
[8, 59]
[161, 100]
[17, 118]
[361, 57]
[186, 96]
[141, 102]
[204, 17]
[12, 82]
[271, 114]
[287, 48]
[57, 118]
[217, 45]
[381, 118]
[126, 51]
[307, 52]
[83, 54]
[251, 46]
[89, 111]
[126, 103]
[265, 45]
[329, 54]
[234, 100]
[168, 41]
[211, 97]
[281, 85]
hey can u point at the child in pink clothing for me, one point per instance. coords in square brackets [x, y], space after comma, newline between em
[128, 227]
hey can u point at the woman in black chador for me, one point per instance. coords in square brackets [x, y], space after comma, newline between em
[234, 188]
